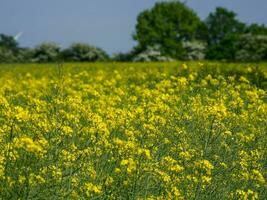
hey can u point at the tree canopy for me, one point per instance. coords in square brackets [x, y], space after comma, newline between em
[8, 42]
[167, 25]
[221, 23]
[223, 33]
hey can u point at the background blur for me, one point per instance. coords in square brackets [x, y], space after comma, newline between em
[103, 23]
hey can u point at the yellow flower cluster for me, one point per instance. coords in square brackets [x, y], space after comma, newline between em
[133, 131]
[29, 145]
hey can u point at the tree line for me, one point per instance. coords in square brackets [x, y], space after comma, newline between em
[48, 52]
[168, 31]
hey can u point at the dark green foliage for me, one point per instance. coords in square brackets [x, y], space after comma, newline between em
[84, 52]
[230, 39]
[166, 25]
[123, 57]
[221, 23]
[256, 29]
[223, 30]
[226, 49]
[8, 42]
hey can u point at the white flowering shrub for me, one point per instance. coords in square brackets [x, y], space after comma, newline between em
[194, 50]
[152, 53]
[84, 52]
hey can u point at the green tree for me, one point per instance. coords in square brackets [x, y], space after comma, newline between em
[256, 29]
[225, 50]
[123, 57]
[221, 23]
[8, 42]
[223, 31]
[167, 25]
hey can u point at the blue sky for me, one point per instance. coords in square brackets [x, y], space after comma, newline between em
[108, 24]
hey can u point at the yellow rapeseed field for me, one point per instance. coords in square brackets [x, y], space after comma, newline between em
[133, 131]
